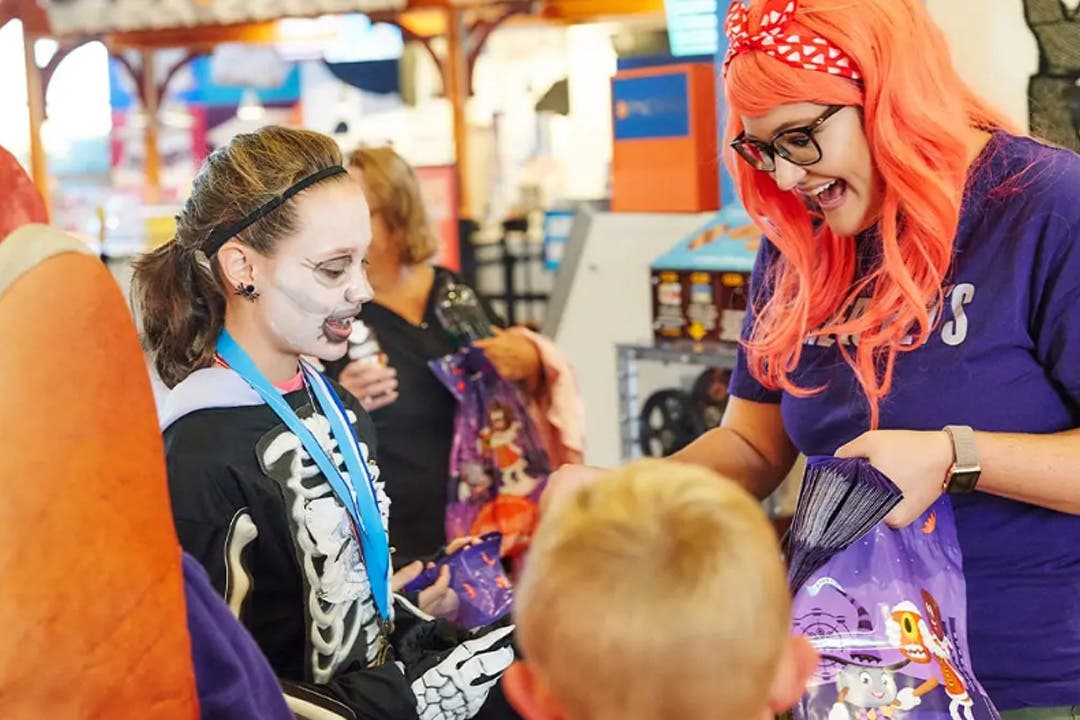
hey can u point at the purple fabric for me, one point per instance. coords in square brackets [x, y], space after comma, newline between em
[478, 578]
[1004, 358]
[888, 618]
[233, 679]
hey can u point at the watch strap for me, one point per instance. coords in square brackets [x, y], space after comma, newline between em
[965, 465]
[965, 451]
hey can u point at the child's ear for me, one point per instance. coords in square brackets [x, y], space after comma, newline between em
[797, 664]
[529, 694]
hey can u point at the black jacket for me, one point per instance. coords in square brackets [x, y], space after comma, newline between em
[253, 508]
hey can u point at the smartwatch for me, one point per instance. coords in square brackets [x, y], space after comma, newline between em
[963, 476]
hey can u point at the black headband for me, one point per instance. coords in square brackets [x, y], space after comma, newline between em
[220, 235]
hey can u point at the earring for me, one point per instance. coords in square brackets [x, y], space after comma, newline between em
[247, 291]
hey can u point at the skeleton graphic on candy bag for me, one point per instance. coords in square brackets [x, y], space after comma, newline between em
[922, 639]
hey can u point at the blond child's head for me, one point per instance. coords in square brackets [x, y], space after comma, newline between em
[656, 592]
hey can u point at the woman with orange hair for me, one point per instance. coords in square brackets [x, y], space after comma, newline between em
[916, 301]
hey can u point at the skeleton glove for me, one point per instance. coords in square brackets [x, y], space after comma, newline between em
[456, 687]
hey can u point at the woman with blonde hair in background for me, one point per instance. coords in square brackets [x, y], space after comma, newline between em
[413, 412]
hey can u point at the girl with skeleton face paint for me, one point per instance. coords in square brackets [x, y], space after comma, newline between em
[272, 474]
[315, 281]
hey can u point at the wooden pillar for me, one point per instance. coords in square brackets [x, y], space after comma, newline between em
[151, 102]
[35, 92]
[457, 92]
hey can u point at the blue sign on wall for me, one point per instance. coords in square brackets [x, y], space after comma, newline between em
[203, 91]
[651, 107]
[693, 26]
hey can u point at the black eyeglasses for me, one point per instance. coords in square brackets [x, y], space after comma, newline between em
[796, 145]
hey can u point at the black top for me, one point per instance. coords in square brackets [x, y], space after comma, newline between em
[416, 431]
[231, 473]
[251, 505]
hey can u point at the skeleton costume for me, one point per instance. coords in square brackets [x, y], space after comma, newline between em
[250, 503]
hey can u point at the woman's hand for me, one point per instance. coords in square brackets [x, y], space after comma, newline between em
[917, 462]
[437, 599]
[514, 357]
[375, 385]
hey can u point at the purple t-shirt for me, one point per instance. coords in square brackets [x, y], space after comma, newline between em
[1005, 357]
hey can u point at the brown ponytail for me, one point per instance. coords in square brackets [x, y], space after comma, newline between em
[177, 291]
[182, 310]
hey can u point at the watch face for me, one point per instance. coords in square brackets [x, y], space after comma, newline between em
[963, 481]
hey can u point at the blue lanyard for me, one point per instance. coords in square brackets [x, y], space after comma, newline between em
[359, 499]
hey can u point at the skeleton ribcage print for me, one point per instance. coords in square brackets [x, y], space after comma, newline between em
[337, 588]
[343, 622]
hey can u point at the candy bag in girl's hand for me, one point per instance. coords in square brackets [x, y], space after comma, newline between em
[478, 578]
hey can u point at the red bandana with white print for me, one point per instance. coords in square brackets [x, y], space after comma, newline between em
[800, 50]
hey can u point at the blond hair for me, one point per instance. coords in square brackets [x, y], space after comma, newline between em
[394, 191]
[657, 592]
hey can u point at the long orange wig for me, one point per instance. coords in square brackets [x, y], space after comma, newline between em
[917, 115]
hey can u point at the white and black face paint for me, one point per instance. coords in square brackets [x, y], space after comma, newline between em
[324, 309]
[317, 281]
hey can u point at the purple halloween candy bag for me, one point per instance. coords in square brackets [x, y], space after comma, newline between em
[478, 578]
[498, 466]
[888, 616]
